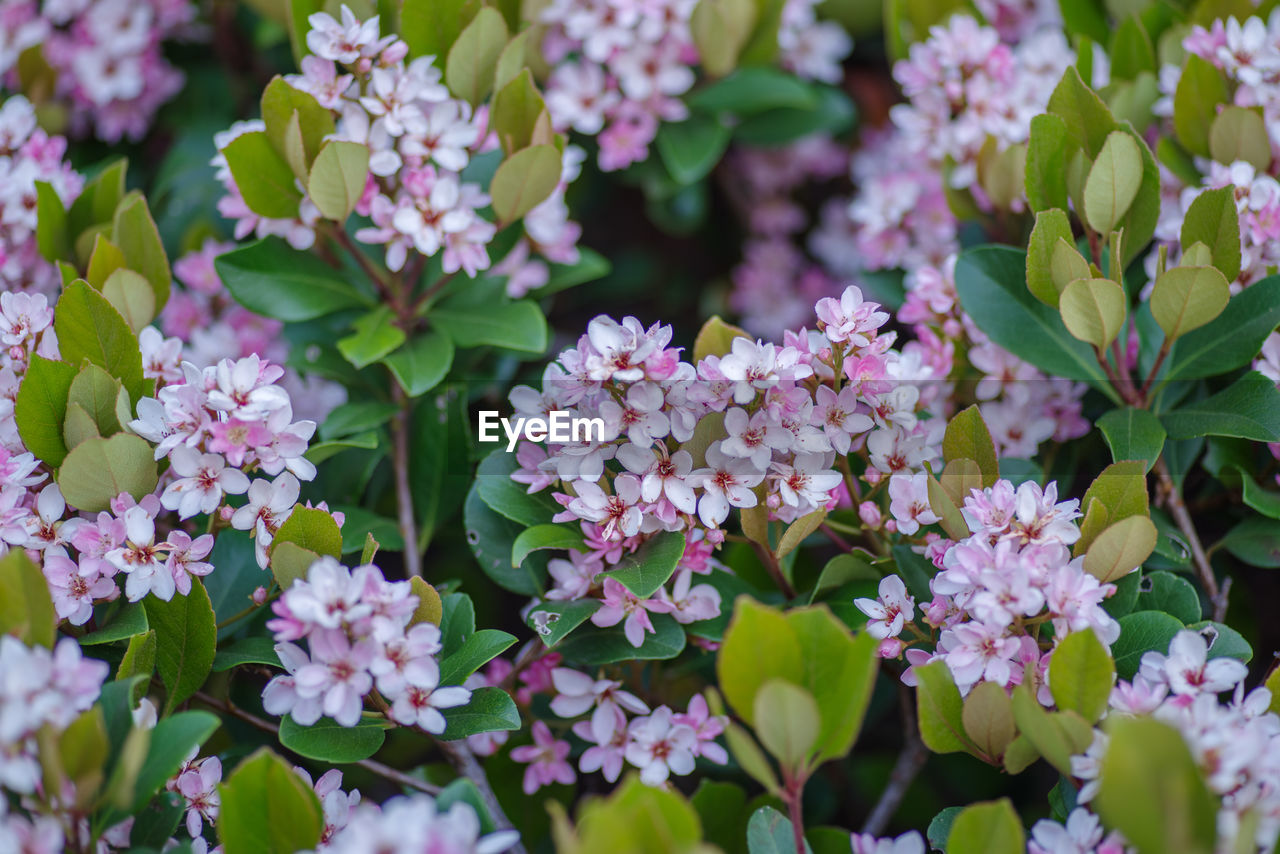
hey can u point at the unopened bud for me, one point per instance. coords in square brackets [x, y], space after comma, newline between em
[869, 513]
[259, 596]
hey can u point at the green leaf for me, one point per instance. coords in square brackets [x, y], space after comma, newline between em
[787, 722]
[97, 203]
[940, 828]
[90, 329]
[171, 741]
[1201, 88]
[589, 267]
[839, 671]
[1081, 673]
[1212, 219]
[26, 609]
[595, 647]
[430, 27]
[1051, 227]
[422, 362]
[1231, 340]
[988, 719]
[515, 113]
[265, 180]
[41, 407]
[1087, 119]
[1113, 182]
[356, 417]
[770, 832]
[1255, 541]
[97, 470]
[544, 537]
[1164, 591]
[754, 90]
[1264, 501]
[940, 710]
[647, 569]
[1249, 408]
[96, 391]
[1120, 548]
[473, 58]
[1186, 298]
[498, 491]
[759, 644]
[376, 336]
[132, 296]
[518, 325]
[1131, 50]
[337, 178]
[268, 809]
[1056, 736]
[310, 528]
[554, 620]
[967, 438]
[280, 101]
[129, 621]
[1045, 174]
[987, 828]
[1223, 641]
[1152, 791]
[328, 741]
[992, 288]
[135, 233]
[492, 539]
[271, 279]
[186, 639]
[477, 651]
[525, 180]
[1239, 133]
[691, 149]
[51, 224]
[1094, 310]
[490, 710]
[1122, 489]
[1133, 434]
[1142, 632]
[250, 650]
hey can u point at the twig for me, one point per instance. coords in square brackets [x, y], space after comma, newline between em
[464, 762]
[912, 758]
[404, 490]
[774, 569]
[370, 765]
[835, 538]
[1178, 509]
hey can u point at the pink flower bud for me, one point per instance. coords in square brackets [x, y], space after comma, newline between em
[259, 596]
[891, 525]
[226, 512]
[869, 513]
[890, 648]
[715, 536]
[872, 476]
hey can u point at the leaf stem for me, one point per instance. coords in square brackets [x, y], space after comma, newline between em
[404, 490]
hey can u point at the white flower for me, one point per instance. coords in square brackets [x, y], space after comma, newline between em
[202, 480]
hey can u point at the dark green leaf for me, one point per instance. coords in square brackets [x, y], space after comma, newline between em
[328, 741]
[250, 650]
[422, 363]
[270, 278]
[490, 710]
[597, 647]
[41, 406]
[518, 325]
[691, 149]
[268, 809]
[1133, 434]
[476, 651]
[186, 638]
[1142, 632]
[645, 570]
[1164, 591]
[1248, 409]
[1255, 541]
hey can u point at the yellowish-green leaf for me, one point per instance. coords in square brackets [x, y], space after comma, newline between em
[473, 58]
[525, 180]
[1081, 673]
[1187, 298]
[1239, 133]
[1051, 226]
[988, 719]
[1094, 310]
[132, 296]
[98, 470]
[787, 721]
[1121, 548]
[337, 178]
[1113, 182]
[987, 828]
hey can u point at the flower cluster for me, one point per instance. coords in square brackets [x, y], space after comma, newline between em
[660, 743]
[39, 688]
[993, 589]
[1235, 744]
[770, 422]
[106, 54]
[412, 824]
[28, 155]
[210, 326]
[420, 141]
[360, 635]
[619, 67]
[1248, 54]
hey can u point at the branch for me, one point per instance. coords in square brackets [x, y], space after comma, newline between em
[912, 758]
[404, 490]
[370, 765]
[465, 763]
[1178, 509]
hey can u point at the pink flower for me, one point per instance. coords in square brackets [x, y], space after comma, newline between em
[620, 603]
[891, 611]
[74, 589]
[202, 480]
[546, 758]
[338, 675]
[660, 747]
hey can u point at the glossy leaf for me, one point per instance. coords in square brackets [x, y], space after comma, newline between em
[267, 808]
[490, 710]
[421, 363]
[329, 741]
[987, 828]
[186, 639]
[1133, 434]
[271, 279]
[1081, 674]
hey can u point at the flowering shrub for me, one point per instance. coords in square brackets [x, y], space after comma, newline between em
[354, 528]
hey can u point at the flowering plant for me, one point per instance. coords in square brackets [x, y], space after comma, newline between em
[976, 485]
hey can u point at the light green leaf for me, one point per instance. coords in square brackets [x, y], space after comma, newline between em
[1233, 339]
[1212, 219]
[1081, 673]
[1239, 133]
[268, 809]
[90, 329]
[518, 325]
[135, 232]
[1120, 548]
[941, 711]
[1094, 310]
[328, 741]
[967, 438]
[988, 719]
[26, 609]
[41, 407]
[376, 336]
[544, 537]
[525, 180]
[473, 58]
[1051, 227]
[132, 296]
[1186, 298]
[987, 828]
[1201, 88]
[97, 470]
[1113, 182]
[337, 178]
[265, 180]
